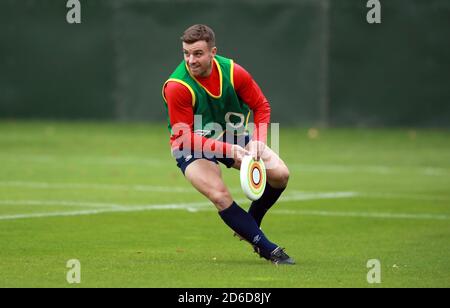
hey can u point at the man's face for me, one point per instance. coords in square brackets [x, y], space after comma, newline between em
[199, 57]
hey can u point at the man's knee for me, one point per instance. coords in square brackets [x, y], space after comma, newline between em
[221, 198]
[280, 178]
[284, 177]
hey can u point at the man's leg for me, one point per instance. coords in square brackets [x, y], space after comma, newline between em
[277, 181]
[206, 177]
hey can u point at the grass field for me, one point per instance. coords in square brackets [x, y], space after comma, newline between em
[111, 196]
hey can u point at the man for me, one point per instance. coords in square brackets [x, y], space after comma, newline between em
[209, 99]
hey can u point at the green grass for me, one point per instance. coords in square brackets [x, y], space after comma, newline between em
[398, 210]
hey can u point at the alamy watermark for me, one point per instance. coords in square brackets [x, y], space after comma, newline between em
[374, 14]
[374, 274]
[189, 143]
[73, 276]
[74, 14]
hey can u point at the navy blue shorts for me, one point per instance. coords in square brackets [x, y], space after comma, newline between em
[188, 158]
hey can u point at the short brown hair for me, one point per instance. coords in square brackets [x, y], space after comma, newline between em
[197, 33]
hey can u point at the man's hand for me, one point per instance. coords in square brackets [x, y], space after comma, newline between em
[238, 152]
[256, 149]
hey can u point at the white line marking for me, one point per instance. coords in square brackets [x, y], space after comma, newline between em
[419, 216]
[111, 208]
[59, 203]
[383, 170]
[143, 188]
[207, 206]
[311, 168]
[341, 169]
[90, 160]
[148, 188]
[301, 195]
[403, 196]
[298, 195]
[365, 214]
[190, 206]
[304, 196]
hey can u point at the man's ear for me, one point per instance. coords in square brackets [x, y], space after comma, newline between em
[214, 51]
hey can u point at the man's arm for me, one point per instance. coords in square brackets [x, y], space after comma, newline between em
[249, 91]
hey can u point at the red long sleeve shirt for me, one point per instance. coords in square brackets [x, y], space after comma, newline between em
[179, 101]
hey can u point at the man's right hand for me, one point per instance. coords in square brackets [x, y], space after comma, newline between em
[238, 153]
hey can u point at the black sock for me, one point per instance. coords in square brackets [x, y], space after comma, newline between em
[243, 224]
[260, 207]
